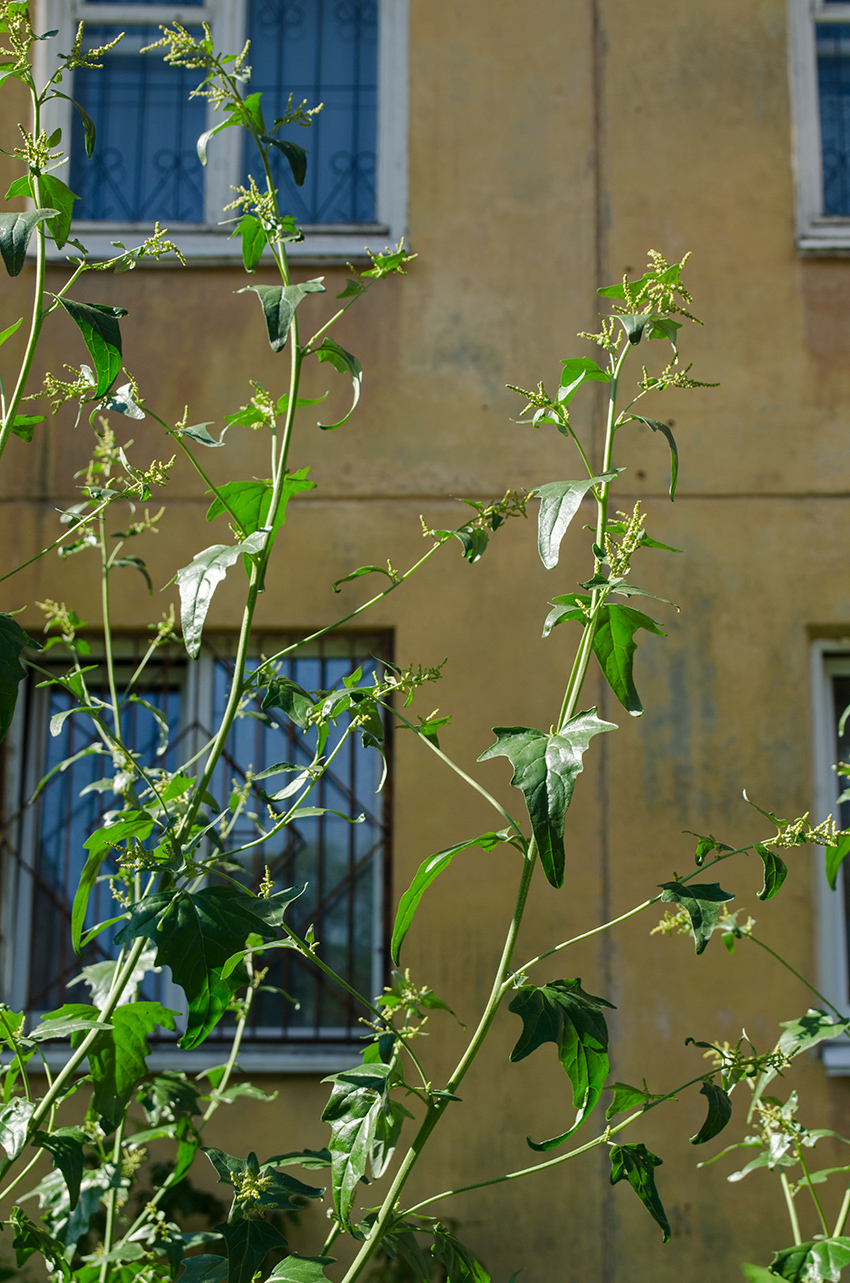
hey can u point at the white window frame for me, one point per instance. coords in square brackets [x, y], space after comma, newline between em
[816, 234]
[211, 244]
[23, 768]
[830, 657]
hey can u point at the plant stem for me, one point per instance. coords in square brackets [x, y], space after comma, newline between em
[792, 1211]
[107, 627]
[802, 979]
[436, 1109]
[71, 530]
[811, 1188]
[110, 1205]
[842, 1214]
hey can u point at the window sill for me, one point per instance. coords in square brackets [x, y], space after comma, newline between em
[211, 247]
[836, 1057]
[327, 1058]
[827, 237]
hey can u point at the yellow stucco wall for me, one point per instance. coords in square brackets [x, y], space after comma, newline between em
[548, 141]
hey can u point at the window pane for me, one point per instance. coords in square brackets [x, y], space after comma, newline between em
[145, 165]
[833, 53]
[326, 51]
[340, 864]
[841, 701]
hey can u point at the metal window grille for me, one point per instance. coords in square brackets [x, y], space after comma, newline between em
[145, 165]
[840, 684]
[327, 52]
[833, 66]
[343, 864]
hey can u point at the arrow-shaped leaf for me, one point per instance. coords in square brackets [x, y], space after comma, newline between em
[559, 503]
[129, 824]
[664, 428]
[296, 156]
[359, 1099]
[719, 1113]
[248, 1245]
[279, 303]
[562, 1013]
[775, 871]
[195, 933]
[98, 324]
[346, 364]
[427, 872]
[198, 581]
[250, 501]
[66, 1146]
[702, 901]
[614, 646]
[636, 1164]
[15, 233]
[545, 769]
[118, 1057]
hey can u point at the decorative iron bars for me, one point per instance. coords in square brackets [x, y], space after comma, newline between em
[343, 864]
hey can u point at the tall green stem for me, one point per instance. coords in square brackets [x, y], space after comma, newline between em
[792, 1211]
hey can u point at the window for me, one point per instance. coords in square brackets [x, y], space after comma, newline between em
[343, 864]
[819, 65]
[349, 54]
[831, 691]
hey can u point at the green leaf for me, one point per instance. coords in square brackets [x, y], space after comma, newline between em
[278, 1191]
[195, 933]
[203, 1269]
[559, 503]
[198, 432]
[69, 1019]
[614, 646]
[30, 1238]
[88, 123]
[658, 426]
[98, 324]
[799, 1035]
[633, 323]
[775, 871]
[296, 156]
[625, 1099]
[669, 276]
[23, 425]
[301, 1269]
[359, 1100]
[279, 303]
[427, 873]
[250, 501]
[117, 1058]
[203, 142]
[129, 824]
[13, 639]
[62, 198]
[562, 1013]
[66, 1146]
[757, 1273]
[702, 901]
[635, 1163]
[835, 856]
[198, 581]
[309, 1158]
[820, 1261]
[458, 1262]
[346, 364]
[253, 240]
[719, 1113]
[15, 233]
[364, 570]
[576, 371]
[169, 1096]
[14, 1122]
[248, 1245]
[545, 769]
[284, 693]
[664, 327]
[7, 334]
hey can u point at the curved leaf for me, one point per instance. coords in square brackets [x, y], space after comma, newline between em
[835, 856]
[359, 1102]
[15, 233]
[14, 1123]
[56, 193]
[719, 1113]
[664, 428]
[296, 156]
[559, 503]
[545, 769]
[346, 364]
[198, 581]
[363, 570]
[562, 1013]
[427, 873]
[118, 1057]
[820, 1261]
[635, 1163]
[66, 1146]
[775, 871]
[13, 640]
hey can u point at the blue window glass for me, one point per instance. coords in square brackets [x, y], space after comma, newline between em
[340, 863]
[145, 165]
[833, 54]
[327, 52]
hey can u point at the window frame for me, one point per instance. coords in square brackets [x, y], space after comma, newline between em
[23, 763]
[208, 244]
[829, 657]
[815, 232]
